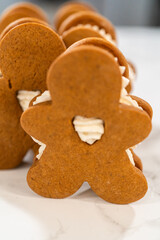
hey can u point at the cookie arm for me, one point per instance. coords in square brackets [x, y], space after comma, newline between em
[34, 121]
[131, 126]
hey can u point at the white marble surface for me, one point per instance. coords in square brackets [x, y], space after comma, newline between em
[24, 215]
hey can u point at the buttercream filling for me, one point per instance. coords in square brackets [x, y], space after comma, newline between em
[44, 97]
[99, 30]
[88, 129]
[41, 148]
[125, 98]
[24, 97]
[130, 156]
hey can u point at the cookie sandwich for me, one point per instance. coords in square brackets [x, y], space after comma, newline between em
[85, 130]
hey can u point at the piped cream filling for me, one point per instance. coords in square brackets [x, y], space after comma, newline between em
[45, 96]
[99, 30]
[41, 148]
[24, 97]
[125, 98]
[88, 129]
[130, 156]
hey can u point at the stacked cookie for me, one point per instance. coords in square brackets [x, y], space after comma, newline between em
[70, 90]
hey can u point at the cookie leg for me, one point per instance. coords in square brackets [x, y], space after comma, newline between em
[53, 180]
[119, 182]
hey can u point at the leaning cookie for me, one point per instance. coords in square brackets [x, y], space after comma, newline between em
[20, 10]
[26, 53]
[85, 130]
[68, 9]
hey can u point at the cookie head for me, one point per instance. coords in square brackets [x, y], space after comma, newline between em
[126, 68]
[84, 96]
[116, 53]
[31, 48]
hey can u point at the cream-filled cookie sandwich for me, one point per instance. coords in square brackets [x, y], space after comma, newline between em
[53, 123]
[85, 132]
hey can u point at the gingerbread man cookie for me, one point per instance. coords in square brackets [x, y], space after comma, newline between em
[85, 131]
[20, 10]
[27, 50]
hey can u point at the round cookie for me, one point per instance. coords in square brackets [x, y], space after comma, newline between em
[26, 53]
[68, 9]
[92, 89]
[20, 10]
[87, 17]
